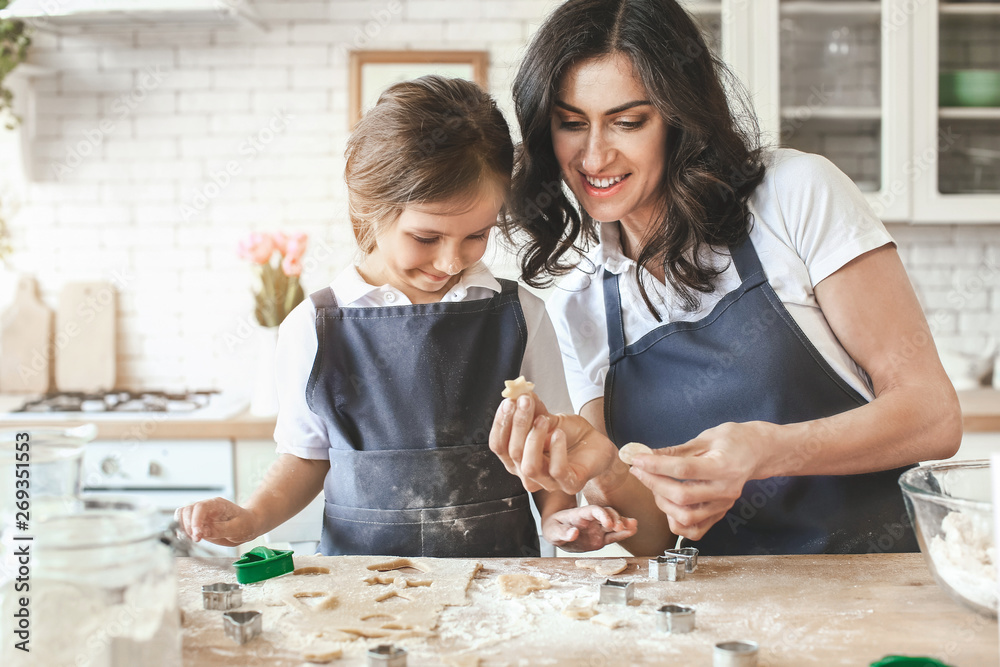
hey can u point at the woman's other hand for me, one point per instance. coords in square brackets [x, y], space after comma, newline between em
[696, 483]
[587, 528]
[551, 452]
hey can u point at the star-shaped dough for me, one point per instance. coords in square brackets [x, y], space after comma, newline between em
[516, 388]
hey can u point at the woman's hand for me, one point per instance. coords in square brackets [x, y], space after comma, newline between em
[587, 528]
[551, 452]
[696, 483]
[218, 521]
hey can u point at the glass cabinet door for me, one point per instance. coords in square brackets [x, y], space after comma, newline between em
[836, 84]
[841, 85]
[957, 112]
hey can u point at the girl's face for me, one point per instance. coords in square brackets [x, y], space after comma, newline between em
[425, 251]
[609, 141]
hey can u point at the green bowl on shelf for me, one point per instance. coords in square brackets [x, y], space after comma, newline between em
[969, 88]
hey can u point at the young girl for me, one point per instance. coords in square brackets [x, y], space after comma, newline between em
[388, 379]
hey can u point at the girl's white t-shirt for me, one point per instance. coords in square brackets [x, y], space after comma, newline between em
[809, 220]
[301, 432]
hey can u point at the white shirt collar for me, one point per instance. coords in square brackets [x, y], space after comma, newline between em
[609, 252]
[350, 287]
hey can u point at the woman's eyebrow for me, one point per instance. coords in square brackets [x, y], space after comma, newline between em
[609, 112]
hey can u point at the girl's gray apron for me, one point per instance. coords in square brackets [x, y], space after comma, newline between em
[414, 389]
[745, 361]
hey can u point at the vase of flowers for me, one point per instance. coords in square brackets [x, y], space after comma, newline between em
[277, 263]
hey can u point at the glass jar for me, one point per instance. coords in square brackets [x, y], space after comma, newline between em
[102, 590]
[40, 469]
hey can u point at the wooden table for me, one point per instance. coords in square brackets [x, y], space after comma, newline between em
[803, 610]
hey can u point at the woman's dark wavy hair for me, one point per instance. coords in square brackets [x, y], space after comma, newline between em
[713, 158]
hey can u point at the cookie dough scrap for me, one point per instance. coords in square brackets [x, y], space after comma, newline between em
[631, 450]
[604, 566]
[608, 621]
[579, 613]
[322, 653]
[517, 388]
[519, 585]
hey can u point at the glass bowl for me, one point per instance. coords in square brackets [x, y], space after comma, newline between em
[950, 507]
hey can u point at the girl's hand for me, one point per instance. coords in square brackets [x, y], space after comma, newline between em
[587, 528]
[551, 452]
[218, 521]
[696, 483]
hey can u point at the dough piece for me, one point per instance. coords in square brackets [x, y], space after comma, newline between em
[608, 621]
[462, 660]
[396, 564]
[631, 450]
[311, 571]
[517, 388]
[604, 566]
[579, 613]
[325, 600]
[519, 585]
[322, 653]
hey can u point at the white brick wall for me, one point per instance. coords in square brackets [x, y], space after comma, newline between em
[158, 112]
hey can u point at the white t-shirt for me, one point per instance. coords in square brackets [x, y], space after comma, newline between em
[809, 220]
[302, 432]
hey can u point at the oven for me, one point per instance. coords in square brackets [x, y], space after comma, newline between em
[167, 473]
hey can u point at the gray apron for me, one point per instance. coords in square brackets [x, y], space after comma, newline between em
[414, 389]
[748, 360]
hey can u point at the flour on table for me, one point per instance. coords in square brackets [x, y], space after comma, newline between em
[331, 601]
[965, 557]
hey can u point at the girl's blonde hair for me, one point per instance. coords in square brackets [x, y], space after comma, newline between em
[429, 140]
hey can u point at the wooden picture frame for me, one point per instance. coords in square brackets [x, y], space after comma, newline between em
[371, 72]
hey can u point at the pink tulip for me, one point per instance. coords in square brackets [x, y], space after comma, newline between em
[257, 248]
[291, 265]
[296, 246]
[280, 241]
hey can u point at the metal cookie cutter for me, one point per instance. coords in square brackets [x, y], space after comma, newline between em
[614, 591]
[222, 596]
[676, 619]
[242, 626]
[386, 655]
[667, 568]
[689, 554]
[735, 654]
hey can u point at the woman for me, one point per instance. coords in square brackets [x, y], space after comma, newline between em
[744, 312]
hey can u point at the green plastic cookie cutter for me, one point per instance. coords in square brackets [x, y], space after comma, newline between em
[261, 563]
[907, 661]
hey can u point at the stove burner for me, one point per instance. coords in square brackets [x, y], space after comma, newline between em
[119, 401]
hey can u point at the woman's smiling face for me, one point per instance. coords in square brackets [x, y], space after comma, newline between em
[609, 141]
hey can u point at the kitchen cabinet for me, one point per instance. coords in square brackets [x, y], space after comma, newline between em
[857, 81]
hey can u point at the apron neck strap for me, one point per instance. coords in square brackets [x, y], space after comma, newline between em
[746, 260]
[324, 298]
[613, 312]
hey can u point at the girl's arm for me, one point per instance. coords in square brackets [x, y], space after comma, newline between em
[290, 484]
[915, 416]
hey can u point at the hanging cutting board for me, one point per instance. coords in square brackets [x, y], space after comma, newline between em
[25, 340]
[85, 337]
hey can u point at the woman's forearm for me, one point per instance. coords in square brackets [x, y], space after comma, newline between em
[290, 484]
[903, 425]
